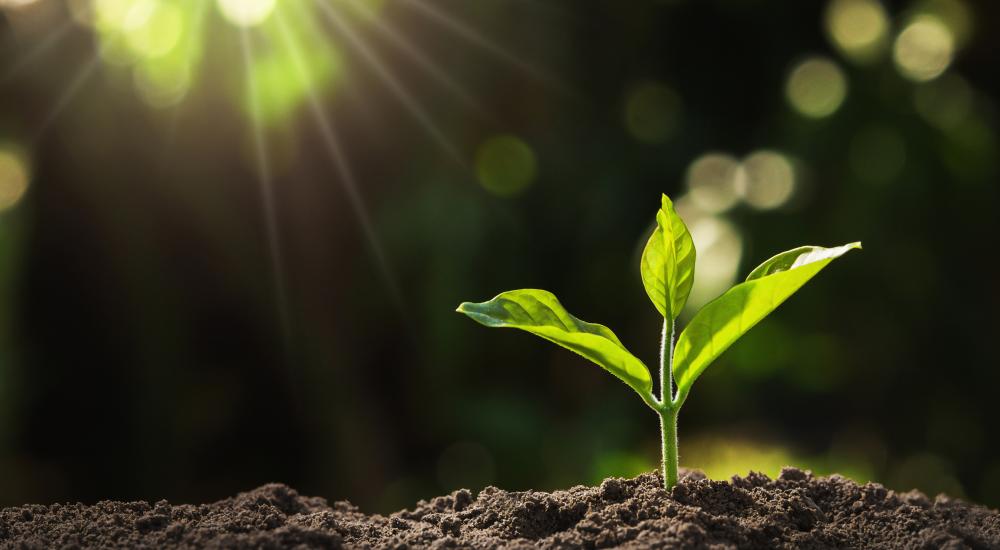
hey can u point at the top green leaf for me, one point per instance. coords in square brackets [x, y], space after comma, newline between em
[667, 264]
[725, 319]
[540, 313]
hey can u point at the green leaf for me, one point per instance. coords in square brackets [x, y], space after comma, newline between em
[725, 319]
[540, 313]
[667, 264]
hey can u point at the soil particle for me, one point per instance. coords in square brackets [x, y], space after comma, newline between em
[796, 510]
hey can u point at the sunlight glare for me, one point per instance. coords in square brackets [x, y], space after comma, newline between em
[246, 13]
[153, 28]
[16, 4]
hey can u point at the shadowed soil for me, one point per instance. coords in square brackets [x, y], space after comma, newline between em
[796, 510]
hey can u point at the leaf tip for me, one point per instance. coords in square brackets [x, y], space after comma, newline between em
[462, 307]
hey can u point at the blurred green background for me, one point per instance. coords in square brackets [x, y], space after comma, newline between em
[233, 235]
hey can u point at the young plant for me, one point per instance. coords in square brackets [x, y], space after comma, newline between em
[667, 269]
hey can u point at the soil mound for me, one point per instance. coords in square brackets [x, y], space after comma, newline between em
[796, 510]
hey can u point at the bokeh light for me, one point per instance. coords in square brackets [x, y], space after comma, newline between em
[162, 84]
[955, 14]
[858, 28]
[825, 146]
[712, 181]
[722, 456]
[816, 87]
[924, 48]
[768, 180]
[246, 13]
[14, 177]
[83, 12]
[14, 4]
[153, 28]
[505, 165]
[652, 112]
[945, 102]
[877, 154]
[720, 248]
[160, 42]
[292, 62]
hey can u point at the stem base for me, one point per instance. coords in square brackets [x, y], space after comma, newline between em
[668, 426]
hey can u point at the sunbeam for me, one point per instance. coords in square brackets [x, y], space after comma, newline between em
[266, 188]
[391, 82]
[66, 96]
[29, 58]
[198, 25]
[339, 160]
[469, 34]
[163, 46]
[410, 49]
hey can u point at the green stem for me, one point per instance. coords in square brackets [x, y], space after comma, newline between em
[667, 362]
[668, 425]
[668, 408]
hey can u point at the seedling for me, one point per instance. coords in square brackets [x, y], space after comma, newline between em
[667, 269]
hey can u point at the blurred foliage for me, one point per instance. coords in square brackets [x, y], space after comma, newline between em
[145, 352]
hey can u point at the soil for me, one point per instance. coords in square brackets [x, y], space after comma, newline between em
[796, 510]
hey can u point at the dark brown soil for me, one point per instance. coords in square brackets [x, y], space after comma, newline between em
[796, 510]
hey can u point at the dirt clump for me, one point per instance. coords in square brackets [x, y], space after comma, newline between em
[796, 510]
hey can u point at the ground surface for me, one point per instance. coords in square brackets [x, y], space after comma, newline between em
[794, 511]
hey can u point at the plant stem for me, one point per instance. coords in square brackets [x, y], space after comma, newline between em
[668, 408]
[667, 363]
[668, 425]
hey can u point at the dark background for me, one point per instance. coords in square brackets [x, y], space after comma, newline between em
[153, 344]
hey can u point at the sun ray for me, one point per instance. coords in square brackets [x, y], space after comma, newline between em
[265, 182]
[201, 16]
[340, 162]
[54, 37]
[410, 49]
[471, 35]
[67, 95]
[375, 62]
